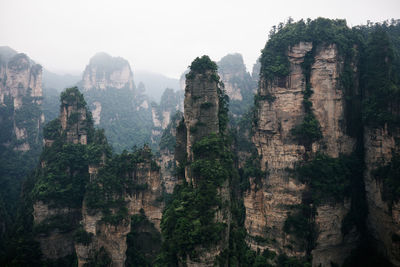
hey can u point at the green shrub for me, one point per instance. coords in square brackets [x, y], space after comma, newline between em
[83, 237]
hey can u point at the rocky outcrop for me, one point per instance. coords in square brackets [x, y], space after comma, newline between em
[167, 159]
[265, 207]
[280, 109]
[75, 119]
[170, 103]
[112, 237]
[20, 93]
[121, 109]
[384, 216]
[236, 79]
[201, 109]
[201, 119]
[105, 72]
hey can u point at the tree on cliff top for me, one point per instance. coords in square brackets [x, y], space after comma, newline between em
[201, 65]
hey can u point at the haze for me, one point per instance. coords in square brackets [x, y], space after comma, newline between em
[160, 36]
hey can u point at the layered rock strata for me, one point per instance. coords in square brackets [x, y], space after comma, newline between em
[280, 110]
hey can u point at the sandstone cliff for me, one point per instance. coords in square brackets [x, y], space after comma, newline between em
[21, 122]
[20, 94]
[383, 217]
[121, 109]
[105, 72]
[280, 108]
[84, 198]
[162, 113]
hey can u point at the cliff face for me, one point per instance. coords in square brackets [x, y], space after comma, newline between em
[167, 159]
[162, 113]
[21, 92]
[83, 198]
[201, 109]
[56, 222]
[238, 84]
[384, 214]
[202, 200]
[21, 121]
[232, 72]
[110, 233]
[105, 72]
[280, 109]
[118, 107]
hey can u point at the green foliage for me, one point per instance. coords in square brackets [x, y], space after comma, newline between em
[115, 218]
[252, 168]
[100, 259]
[144, 242]
[64, 174]
[188, 221]
[72, 97]
[52, 130]
[223, 105]
[308, 131]
[125, 126]
[381, 65]
[62, 180]
[117, 177]
[168, 140]
[329, 178]
[22, 249]
[274, 60]
[301, 224]
[233, 64]
[201, 66]
[83, 237]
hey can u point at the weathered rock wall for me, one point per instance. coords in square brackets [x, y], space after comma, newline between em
[113, 237]
[20, 90]
[383, 217]
[280, 109]
[201, 109]
[105, 72]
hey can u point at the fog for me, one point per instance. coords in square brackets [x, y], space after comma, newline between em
[161, 36]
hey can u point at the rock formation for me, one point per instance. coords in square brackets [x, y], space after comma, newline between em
[170, 103]
[84, 199]
[203, 125]
[273, 201]
[118, 107]
[20, 93]
[105, 72]
[21, 121]
[237, 81]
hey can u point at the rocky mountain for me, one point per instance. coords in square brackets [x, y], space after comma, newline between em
[170, 103]
[86, 203]
[239, 85]
[307, 176]
[117, 106]
[21, 120]
[311, 197]
[125, 111]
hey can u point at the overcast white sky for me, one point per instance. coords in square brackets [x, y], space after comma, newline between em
[161, 36]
